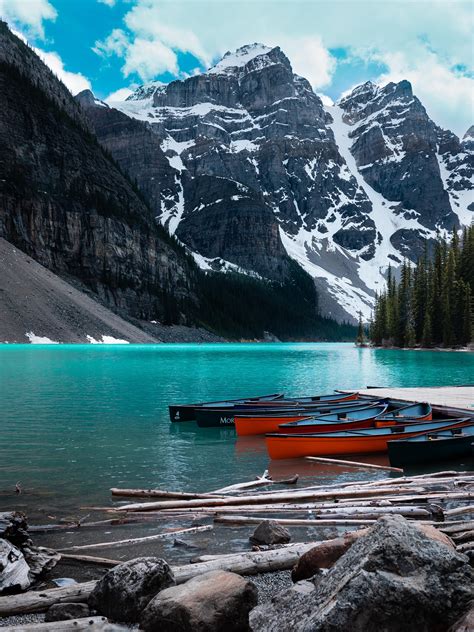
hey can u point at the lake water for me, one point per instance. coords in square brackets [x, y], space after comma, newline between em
[79, 419]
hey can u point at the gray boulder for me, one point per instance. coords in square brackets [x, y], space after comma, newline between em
[466, 623]
[126, 590]
[394, 579]
[270, 532]
[211, 602]
[67, 611]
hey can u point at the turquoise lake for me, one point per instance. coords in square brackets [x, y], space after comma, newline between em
[79, 419]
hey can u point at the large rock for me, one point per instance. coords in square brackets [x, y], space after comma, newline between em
[40, 559]
[466, 623]
[211, 602]
[395, 579]
[14, 571]
[323, 556]
[67, 611]
[126, 590]
[270, 532]
[326, 554]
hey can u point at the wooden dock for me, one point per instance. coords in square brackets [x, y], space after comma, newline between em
[449, 397]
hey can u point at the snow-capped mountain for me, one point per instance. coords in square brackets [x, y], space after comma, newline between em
[246, 166]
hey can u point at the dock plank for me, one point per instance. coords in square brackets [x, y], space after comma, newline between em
[447, 396]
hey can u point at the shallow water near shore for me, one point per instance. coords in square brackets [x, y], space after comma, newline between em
[79, 419]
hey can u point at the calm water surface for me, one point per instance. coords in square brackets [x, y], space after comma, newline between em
[79, 419]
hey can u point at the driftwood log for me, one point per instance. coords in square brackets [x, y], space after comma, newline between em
[159, 493]
[278, 497]
[320, 459]
[148, 538]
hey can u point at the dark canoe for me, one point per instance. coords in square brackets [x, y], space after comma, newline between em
[444, 445]
[211, 417]
[186, 412]
[342, 420]
[422, 412]
[322, 400]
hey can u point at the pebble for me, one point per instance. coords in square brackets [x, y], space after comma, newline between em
[21, 619]
[269, 584]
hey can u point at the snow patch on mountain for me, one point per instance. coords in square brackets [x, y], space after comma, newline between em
[239, 58]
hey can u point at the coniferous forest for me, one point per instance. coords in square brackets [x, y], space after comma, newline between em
[432, 303]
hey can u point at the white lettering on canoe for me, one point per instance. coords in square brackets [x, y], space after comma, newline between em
[226, 420]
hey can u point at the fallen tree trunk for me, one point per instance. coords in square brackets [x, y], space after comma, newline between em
[256, 499]
[39, 601]
[264, 480]
[463, 536]
[320, 459]
[460, 510]
[323, 522]
[324, 519]
[88, 559]
[159, 493]
[455, 528]
[148, 538]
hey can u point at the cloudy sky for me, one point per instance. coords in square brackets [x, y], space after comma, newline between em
[112, 46]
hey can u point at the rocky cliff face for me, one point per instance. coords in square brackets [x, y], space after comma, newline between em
[245, 166]
[65, 203]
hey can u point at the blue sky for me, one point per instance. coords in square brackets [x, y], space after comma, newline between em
[114, 45]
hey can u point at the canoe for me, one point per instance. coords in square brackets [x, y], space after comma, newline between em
[289, 446]
[442, 445]
[214, 415]
[209, 417]
[422, 412]
[186, 412]
[271, 421]
[333, 398]
[335, 422]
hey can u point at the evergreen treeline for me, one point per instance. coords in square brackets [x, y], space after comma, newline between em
[432, 304]
[239, 306]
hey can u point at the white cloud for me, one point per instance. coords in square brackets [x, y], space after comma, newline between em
[75, 82]
[447, 95]
[109, 3]
[115, 44]
[118, 95]
[28, 14]
[310, 59]
[149, 59]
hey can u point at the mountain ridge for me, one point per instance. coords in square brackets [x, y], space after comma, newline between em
[250, 120]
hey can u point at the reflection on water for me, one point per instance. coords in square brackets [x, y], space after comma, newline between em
[77, 420]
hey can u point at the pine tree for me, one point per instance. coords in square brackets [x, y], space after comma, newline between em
[427, 336]
[360, 331]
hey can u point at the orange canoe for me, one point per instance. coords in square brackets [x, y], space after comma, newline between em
[291, 446]
[254, 425]
[262, 424]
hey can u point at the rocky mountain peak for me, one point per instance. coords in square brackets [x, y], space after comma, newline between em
[249, 58]
[468, 139]
[146, 91]
[87, 99]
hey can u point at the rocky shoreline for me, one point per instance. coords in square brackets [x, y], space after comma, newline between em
[393, 575]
